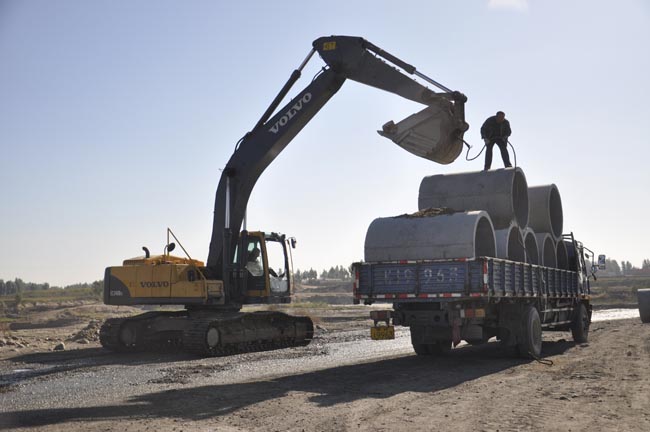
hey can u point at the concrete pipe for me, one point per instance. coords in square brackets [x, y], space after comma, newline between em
[457, 235]
[530, 244]
[546, 250]
[510, 244]
[545, 210]
[503, 193]
[562, 255]
[643, 296]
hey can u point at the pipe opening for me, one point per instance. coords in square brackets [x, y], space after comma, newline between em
[516, 251]
[555, 210]
[520, 198]
[532, 251]
[571, 256]
[484, 241]
[550, 259]
[562, 256]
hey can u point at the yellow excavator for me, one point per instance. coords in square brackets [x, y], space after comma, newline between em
[241, 264]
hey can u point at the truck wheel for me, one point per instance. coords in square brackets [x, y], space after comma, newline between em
[440, 347]
[580, 326]
[530, 344]
[421, 349]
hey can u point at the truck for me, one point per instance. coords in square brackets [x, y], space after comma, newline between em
[474, 299]
[241, 265]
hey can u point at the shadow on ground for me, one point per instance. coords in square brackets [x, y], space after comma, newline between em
[328, 387]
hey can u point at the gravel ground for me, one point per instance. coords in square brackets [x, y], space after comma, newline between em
[342, 381]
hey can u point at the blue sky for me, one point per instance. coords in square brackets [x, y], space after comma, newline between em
[115, 117]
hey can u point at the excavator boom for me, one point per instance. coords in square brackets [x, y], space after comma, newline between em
[436, 133]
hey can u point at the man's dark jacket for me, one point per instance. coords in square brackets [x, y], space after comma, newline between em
[493, 130]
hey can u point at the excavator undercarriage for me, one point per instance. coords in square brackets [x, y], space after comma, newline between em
[206, 333]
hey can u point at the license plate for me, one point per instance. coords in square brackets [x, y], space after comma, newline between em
[382, 333]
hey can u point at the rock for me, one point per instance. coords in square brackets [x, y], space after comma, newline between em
[60, 347]
[629, 353]
[19, 345]
[83, 341]
[10, 342]
[2, 342]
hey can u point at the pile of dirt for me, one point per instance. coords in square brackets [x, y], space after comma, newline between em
[89, 333]
[429, 212]
[13, 342]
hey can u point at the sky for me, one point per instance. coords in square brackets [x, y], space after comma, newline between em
[117, 116]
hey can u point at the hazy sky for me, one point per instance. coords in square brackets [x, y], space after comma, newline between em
[115, 117]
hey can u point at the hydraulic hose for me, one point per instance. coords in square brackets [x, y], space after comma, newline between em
[469, 147]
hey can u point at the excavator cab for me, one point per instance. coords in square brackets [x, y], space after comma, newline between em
[266, 268]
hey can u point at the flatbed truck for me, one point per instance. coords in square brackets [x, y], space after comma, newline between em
[477, 298]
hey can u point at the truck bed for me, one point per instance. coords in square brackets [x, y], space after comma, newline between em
[419, 281]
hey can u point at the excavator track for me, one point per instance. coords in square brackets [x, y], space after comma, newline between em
[246, 332]
[206, 334]
[134, 334]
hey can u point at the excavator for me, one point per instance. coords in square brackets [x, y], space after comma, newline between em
[241, 265]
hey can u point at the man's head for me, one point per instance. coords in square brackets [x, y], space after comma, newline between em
[501, 116]
[254, 254]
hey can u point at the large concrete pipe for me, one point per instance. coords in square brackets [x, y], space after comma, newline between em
[510, 244]
[457, 235]
[503, 193]
[561, 255]
[546, 250]
[530, 244]
[545, 210]
[572, 257]
[643, 296]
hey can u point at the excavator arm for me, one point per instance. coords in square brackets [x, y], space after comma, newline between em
[435, 133]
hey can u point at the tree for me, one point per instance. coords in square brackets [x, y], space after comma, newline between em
[613, 267]
[646, 264]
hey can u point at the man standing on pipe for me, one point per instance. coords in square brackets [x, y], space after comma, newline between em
[496, 130]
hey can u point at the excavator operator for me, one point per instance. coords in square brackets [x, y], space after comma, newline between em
[496, 130]
[253, 265]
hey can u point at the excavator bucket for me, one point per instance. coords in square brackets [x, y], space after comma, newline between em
[433, 133]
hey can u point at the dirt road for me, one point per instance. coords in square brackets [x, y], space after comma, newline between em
[342, 381]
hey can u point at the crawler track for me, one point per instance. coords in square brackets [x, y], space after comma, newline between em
[206, 333]
[247, 332]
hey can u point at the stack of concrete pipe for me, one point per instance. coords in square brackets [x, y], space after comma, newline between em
[486, 213]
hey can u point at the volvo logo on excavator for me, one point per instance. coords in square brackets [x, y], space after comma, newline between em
[154, 284]
[292, 112]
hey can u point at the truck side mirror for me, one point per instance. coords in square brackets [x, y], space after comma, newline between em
[170, 247]
[293, 242]
[601, 262]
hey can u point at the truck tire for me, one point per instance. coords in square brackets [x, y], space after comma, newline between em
[580, 325]
[421, 349]
[530, 341]
[438, 348]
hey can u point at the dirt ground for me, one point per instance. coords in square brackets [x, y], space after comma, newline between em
[342, 381]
